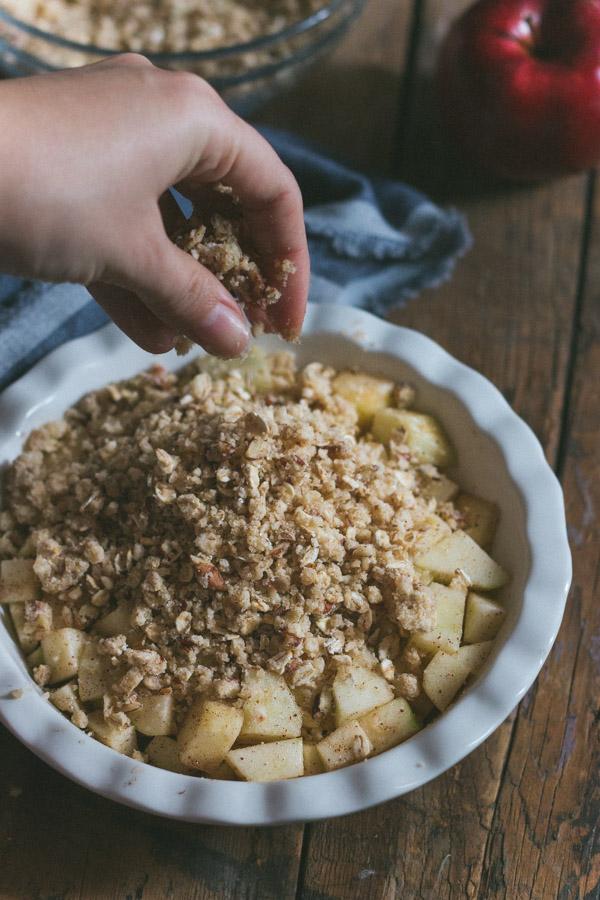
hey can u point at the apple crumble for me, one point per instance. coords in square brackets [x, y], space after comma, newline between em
[247, 570]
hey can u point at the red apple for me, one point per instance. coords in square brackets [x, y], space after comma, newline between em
[518, 82]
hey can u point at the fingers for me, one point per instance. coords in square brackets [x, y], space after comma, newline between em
[183, 295]
[134, 318]
[121, 59]
[273, 213]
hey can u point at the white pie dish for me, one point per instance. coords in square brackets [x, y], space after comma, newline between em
[499, 458]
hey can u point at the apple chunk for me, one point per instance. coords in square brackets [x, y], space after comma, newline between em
[389, 725]
[483, 618]
[162, 752]
[313, 764]
[268, 762]
[357, 690]
[457, 552]
[447, 672]
[432, 531]
[423, 435]
[254, 369]
[346, 745]
[449, 613]
[366, 392]
[208, 732]
[95, 674]
[18, 581]
[118, 621]
[66, 698]
[270, 710]
[120, 738]
[155, 716]
[25, 633]
[480, 518]
[438, 487]
[62, 650]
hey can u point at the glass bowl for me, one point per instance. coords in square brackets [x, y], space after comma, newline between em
[245, 74]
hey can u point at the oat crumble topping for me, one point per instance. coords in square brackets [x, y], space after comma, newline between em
[231, 528]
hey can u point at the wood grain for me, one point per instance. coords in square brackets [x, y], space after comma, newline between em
[62, 842]
[547, 806]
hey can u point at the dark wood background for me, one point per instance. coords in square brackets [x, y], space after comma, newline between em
[518, 817]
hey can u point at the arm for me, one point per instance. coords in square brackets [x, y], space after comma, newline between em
[86, 157]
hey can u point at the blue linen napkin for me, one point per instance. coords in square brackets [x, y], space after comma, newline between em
[374, 243]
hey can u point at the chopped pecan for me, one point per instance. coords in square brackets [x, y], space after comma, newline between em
[208, 573]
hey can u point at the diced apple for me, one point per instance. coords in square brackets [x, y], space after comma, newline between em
[62, 649]
[367, 393]
[313, 764]
[268, 762]
[35, 658]
[224, 772]
[422, 706]
[66, 698]
[447, 672]
[457, 552]
[346, 745]
[118, 621]
[483, 618]
[28, 641]
[209, 730]
[389, 725]
[270, 710]
[449, 614]
[254, 369]
[122, 738]
[18, 581]
[480, 518]
[156, 715]
[95, 675]
[422, 434]
[438, 487]
[431, 533]
[27, 550]
[163, 752]
[357, 690]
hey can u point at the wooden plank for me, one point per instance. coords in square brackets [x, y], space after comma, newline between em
[508, 312]
[349, 103]
[61, 841]
[548, 805]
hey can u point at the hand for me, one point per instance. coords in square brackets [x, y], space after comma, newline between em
[86, 158]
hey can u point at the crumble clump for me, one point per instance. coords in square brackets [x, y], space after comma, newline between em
[218, 244]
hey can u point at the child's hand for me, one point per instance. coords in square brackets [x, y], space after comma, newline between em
[86, 156]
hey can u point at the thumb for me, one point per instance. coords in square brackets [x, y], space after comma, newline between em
[184, 295]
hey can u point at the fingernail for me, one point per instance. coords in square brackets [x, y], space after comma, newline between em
[224, 332]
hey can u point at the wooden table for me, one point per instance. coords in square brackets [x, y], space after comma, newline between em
[518, 818]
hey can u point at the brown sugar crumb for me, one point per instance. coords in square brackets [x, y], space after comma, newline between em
[182, 345]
